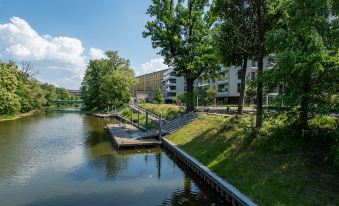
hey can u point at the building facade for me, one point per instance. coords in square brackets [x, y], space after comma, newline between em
[173, 85]
[144, 90]
[228, 81]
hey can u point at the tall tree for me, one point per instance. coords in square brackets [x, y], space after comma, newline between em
[182, 32]
[260, 10]
[107, 82]
[307, 57]
[236, 26]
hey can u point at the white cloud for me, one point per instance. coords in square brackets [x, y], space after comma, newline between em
[154, 65]
[20, 42]
[95, 53]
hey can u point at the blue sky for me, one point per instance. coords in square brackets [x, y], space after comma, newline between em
[60, 36]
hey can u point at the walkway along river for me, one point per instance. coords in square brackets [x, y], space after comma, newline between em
[66, 158]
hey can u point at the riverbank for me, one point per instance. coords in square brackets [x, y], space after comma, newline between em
[168, 111]
[16, 116]
[272, 169]
[21, 115]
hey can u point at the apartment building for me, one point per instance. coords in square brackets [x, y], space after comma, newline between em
[228, 83]
[173, 85]
[147, 84]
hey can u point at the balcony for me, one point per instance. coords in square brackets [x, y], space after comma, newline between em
[171, 89]
[171, 82]
[167, 77]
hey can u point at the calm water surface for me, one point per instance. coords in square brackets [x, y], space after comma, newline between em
[64, 158]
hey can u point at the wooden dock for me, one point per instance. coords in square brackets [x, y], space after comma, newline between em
[128, 136]
[105, 115]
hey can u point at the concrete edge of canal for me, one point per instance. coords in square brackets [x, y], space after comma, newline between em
[225, 189]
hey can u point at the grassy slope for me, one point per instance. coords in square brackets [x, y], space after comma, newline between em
[271, 171]
[168, 111]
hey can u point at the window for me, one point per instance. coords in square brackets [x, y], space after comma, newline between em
[173, 81]
[172, 74]
[239, 87]
[253, 63]
[239, 74]
[185, 88]
[222, 88]
[173, 87]
[171, 94]
[252, 75]
[222, 76]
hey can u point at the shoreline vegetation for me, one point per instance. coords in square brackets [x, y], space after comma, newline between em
[32, 112]
[16, 116]
[21, 93]
[273, 169]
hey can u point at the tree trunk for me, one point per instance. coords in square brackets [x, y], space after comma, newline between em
[303, 116]
[242, 85]
[261, 35]
[190, 95]
[304, 106]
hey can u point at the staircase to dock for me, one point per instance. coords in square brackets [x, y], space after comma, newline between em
[176, 124]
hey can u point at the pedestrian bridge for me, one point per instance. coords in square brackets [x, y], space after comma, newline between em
[60, 101]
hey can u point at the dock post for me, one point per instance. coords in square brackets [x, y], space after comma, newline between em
[132, 116]
[146, 126]
[160, 127]
[138, 118]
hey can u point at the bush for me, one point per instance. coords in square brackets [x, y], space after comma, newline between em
[335, 156]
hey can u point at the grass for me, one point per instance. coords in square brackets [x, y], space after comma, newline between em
[168, 111]
[272, 169]
[127, 113]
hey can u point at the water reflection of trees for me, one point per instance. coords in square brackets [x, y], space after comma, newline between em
[99, 148]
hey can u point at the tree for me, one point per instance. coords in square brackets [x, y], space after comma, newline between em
[236, 34]
[182, 32]
[159, 96]
[307, 61]
[260, 10]
[21, 92]
[9, 100]
[107, 82]
[211, 95]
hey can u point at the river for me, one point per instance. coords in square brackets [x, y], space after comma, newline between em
[67, 158]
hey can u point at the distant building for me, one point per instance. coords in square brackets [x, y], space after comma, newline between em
[173, 85]
[147, 84]
[74, 92]
[228, 83]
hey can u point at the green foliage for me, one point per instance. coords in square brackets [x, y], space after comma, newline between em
[273, 169]
[168, 111]
[181, 30]
[211, 95]
[335, 155]
[127, 114]
[20, 92]
[235, 30]
[159, 96]
[307, 63]
[107, 82]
